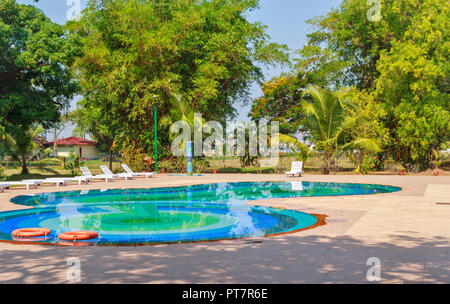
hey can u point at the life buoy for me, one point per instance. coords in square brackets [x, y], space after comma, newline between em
[73, 243]
[31, 232]
[78, 235]
[32, 239]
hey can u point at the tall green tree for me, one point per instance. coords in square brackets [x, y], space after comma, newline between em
[400, 64]
[414, 83]
[280, 102]
[135, 50]
[35, 81]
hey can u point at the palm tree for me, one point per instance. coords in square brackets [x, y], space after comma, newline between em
[325, 113]
[21, 145]
[182, 111]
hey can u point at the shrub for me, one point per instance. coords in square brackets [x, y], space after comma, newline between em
[369, 164]
[173, 164]
[136, 159]
[201, 165]
[392, 166]
[179, 164]
[73, 164]
[2, 174]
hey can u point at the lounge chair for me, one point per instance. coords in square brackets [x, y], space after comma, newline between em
[59, 181]
[82, 179]
[119, 175]
[86, 172]
[129, 171]
[54, 180]
[3, 186]
[296, 169]
[297, 186]
[28, 183]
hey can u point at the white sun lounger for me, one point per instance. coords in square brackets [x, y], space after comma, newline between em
[3, 186]
[28, 183]
[129, 171]
[54, 180]
[119, 175]
[86, 172]
[296, 169]
[59, 181]
[82, 179]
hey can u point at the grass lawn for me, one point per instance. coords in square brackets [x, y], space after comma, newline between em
[13, 173]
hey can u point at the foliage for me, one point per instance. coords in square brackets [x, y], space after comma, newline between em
[344, 48]
[369, 164]
[73, 164]
[135, 158]
[23, 145]
[398, 69]
[173, 164]
[326, 113]
[95, 123]
[301, 151]
[280, 102]
[413, 82]
[35, 81]
[201, 165]
[178, 164]
[2, 174]
[137, 54]
[393, 166]
[327, 126]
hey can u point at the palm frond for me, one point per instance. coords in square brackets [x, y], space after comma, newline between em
[37, 131]
[294, 142]
[326, 111]
[365, 144]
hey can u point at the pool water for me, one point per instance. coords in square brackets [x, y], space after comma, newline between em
[171, 215]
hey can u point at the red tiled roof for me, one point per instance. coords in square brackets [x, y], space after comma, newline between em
[72, 141]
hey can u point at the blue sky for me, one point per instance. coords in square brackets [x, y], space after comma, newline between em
[285, 20]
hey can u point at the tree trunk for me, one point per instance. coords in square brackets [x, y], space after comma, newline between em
[55, 146]
[110, 159]
[24, 165]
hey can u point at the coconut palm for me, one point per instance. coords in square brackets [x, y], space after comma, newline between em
[325, 113]
[22, 146]
[182, 111]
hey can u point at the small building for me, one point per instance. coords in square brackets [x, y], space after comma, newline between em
[87, 149]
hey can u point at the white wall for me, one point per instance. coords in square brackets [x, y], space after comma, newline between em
[89, 152]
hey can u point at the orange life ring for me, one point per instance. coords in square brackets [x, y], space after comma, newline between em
[72, 243]
[31, 232]
[78, 235]
[33, 239]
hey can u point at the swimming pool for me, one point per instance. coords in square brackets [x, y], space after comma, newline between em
[171, 215]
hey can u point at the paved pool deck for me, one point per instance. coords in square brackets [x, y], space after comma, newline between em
[408, 231]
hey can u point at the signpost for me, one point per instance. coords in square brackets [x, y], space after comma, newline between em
[190, 156]
[156, 139]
